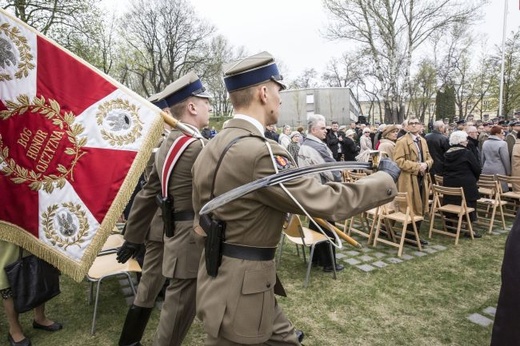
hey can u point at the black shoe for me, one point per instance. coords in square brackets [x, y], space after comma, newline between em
[329, 269]
[475, 235]
[423, 242]
[50, 328]
[300, 335]
[23, 342]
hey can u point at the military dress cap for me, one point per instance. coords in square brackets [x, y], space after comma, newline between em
[253, 70]
[184, 87]
[157, 101]
[514, 123]
[461, 121]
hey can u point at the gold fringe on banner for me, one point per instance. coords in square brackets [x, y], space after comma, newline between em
[74, 268]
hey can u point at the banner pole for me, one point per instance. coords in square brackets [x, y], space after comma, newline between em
[170, 120]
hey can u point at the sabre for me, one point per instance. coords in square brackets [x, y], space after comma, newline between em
[288, 175]
[341, 234]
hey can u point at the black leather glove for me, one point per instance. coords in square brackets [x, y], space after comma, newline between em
[127, 250]
[390, 167]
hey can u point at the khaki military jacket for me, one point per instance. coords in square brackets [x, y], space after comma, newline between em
[239, 303]
[181, 253]
[134, 227]
[406, 155]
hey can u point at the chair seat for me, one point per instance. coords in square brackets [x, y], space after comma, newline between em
[511, 194]
[490, 201]
[309, 237]
[108, 265]
[401, 217]
[455, 209]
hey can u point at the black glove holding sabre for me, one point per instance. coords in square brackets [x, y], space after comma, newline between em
[390, 167]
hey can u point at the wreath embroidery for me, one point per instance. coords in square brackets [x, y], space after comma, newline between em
[20, 41]
[120, 116]
[65, 226]
[51, 110]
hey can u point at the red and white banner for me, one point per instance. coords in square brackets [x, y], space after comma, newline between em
[73, 143]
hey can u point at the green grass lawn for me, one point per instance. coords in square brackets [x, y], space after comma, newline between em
[424, 301]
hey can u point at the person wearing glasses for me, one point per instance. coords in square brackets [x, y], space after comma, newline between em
[413, 157]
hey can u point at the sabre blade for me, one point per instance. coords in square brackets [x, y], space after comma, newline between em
[278, 178]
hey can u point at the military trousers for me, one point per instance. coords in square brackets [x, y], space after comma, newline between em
[177, 313]
[152, 279]
[283, 333]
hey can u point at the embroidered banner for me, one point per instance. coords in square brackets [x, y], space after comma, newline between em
[73, 143]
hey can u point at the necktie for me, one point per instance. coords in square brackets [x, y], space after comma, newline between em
[419, 147]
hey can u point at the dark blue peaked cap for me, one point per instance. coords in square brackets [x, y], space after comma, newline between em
[250, 71]
[154, 99]
[184, 87]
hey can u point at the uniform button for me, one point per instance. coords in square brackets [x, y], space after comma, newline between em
[389, 192]
[268, 285]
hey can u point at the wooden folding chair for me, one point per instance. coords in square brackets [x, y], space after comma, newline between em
[461, 211]
[399, 211]
[362, 223]
[439, 179]
[510, 195]
[305, 237]
[489, 202]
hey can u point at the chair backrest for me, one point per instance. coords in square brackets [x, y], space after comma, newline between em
[293, 228]
[450, 191]
[113, 242]
[487, 177]
[439, 179]
[489, 188]
[401, 203]
[513, 182]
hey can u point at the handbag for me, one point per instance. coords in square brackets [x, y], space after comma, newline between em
[33, 282]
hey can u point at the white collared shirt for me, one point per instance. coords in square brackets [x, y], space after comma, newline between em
[253, 121]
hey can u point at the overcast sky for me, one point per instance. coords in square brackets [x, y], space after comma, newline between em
[290, 29]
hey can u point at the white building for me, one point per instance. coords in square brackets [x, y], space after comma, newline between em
[336, 104]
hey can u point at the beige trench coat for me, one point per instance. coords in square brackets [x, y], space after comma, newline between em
[515, 164]
[406, 156]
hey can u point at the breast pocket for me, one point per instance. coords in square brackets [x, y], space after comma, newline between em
[255, 308]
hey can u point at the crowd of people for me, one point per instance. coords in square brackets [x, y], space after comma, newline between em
[232, 287]
[459, 152]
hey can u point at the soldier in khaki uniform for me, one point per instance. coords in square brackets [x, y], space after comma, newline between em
[152, 279]
[238, 305]
[190, 105]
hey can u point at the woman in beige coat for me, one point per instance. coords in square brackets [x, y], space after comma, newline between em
[387, 142]
[515, 161]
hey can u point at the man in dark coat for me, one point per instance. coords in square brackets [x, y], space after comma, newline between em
[473, 142]
[334, 141]
[438, 144]
[507, 318]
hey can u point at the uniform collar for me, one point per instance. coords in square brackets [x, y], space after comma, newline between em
[196, 130]
[252, 121]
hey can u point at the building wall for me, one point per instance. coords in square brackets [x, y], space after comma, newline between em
[335, 104]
